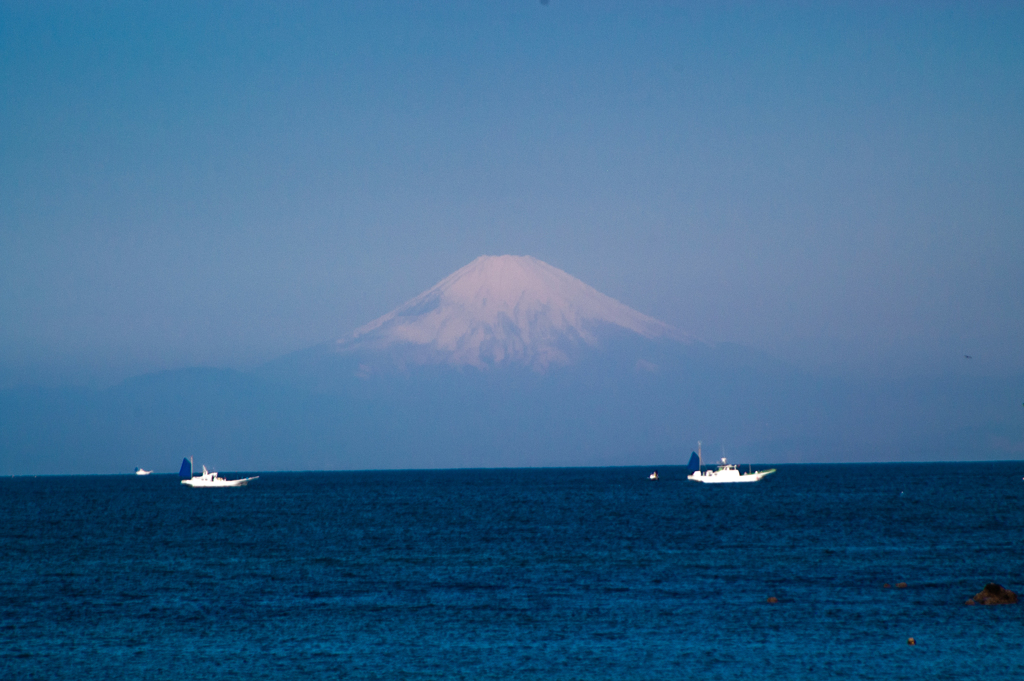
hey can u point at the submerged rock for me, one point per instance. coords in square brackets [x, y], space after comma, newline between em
[994, 594]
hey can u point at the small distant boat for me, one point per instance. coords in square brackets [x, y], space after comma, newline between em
[141, 471]
[653, 476]
[208, 479]
[724, 472]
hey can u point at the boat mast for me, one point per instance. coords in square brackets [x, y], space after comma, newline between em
[700, 460]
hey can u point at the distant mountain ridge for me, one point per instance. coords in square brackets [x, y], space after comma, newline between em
[502, 310]
[506, 362]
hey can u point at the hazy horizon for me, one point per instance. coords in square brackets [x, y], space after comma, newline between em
[874, 363]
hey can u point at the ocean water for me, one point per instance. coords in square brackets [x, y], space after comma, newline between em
[515, 574]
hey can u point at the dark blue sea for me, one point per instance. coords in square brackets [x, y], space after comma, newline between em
[515, 574]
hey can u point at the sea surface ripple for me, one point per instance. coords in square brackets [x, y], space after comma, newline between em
[581, 573]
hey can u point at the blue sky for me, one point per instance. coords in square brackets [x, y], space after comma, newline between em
[219, 183]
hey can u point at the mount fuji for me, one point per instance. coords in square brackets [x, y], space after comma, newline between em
[502, 310]
[516, 361]
[497, 315]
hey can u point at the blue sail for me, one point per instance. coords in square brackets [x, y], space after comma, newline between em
[694, 462]
[186, 470]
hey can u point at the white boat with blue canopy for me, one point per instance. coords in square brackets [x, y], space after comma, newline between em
[208, 478]
[724, 472]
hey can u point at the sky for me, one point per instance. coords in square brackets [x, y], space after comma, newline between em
[216, 184]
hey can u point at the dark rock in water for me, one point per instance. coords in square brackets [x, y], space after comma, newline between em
[994, 594]
[773, 599]
[911, 641]
[901, 585]
[970, 601]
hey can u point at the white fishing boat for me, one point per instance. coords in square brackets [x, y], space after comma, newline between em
[724, 471]
[653, 476]
[142, 471]
[208, 478]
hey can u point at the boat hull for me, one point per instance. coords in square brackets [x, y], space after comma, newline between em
[208, 478]
[217, 482]
[728, 476]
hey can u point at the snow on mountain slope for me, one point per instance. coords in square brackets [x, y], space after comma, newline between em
[502, 310]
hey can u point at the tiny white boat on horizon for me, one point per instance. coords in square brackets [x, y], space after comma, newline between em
[141, 471]
[724, 472]
[653, 476]
[208, 478]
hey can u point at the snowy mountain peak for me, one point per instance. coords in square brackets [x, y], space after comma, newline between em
[502, 310]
